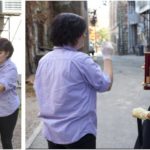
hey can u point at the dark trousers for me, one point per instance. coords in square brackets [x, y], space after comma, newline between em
[7, 125]
[86, 142]
[145, 136]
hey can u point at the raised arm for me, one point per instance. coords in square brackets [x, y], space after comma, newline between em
[107, 52]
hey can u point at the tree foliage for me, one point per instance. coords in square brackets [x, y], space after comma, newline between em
[103, 34]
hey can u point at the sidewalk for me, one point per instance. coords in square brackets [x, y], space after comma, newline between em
[116, 126]
[32, 120]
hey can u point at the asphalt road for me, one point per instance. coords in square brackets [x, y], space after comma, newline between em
[116, 126]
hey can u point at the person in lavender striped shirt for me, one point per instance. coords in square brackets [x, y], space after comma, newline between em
[9, 101]
[66, 83]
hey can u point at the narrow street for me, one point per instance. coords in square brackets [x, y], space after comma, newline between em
[116, 126]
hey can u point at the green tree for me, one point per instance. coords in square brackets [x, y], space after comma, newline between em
[103, 35]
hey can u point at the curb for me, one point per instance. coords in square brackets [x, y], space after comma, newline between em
[33, 136]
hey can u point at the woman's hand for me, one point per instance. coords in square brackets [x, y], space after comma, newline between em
[107, 50]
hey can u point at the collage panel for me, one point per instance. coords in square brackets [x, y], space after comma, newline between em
[74, 74]
[11, 72]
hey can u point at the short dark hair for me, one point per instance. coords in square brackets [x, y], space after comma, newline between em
[6, 45]
[66, 28]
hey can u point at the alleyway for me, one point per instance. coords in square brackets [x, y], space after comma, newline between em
[116, 126]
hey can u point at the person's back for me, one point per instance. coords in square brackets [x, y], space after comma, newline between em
[68, 94]
[66, 83]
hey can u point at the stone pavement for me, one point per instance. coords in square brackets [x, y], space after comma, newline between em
[32, 120]
[116, 126]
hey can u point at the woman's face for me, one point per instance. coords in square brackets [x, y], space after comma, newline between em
[3, 56]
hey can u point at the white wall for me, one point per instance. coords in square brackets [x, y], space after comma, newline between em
[17, 37]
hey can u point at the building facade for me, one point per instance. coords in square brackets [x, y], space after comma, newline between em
[130, 26]
[119, 26]
[133, 20]
[143, 29]
[139, 26]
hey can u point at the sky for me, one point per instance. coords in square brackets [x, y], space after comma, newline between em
[102, 12]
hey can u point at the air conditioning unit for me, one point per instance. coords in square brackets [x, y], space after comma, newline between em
[10, 6]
